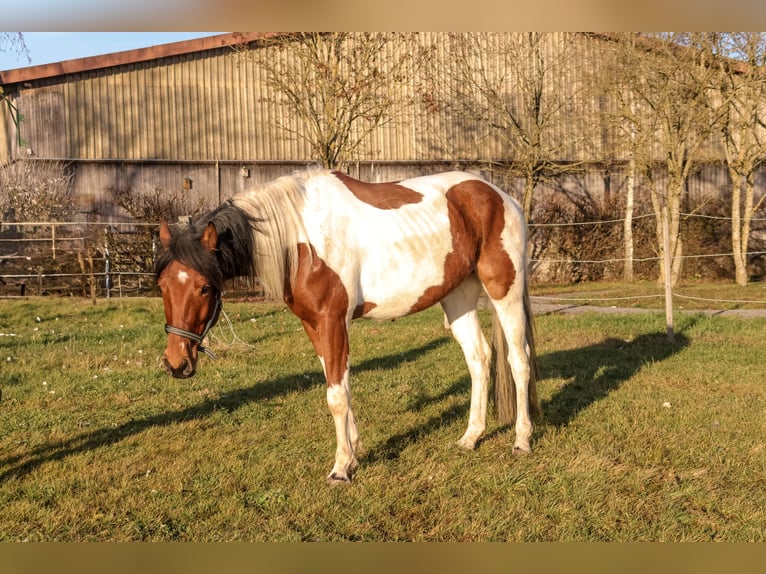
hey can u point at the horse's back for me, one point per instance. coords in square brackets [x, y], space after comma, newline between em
[399, 247]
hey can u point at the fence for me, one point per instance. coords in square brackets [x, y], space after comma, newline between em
[116, 259]
[668, 294]
[83, 258]
[40, 258]
[655, 259]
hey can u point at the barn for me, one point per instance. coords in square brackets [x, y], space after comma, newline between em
[201, 120]
[197, 118]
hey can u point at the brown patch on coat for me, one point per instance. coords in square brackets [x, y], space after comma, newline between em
[319, 299]
[363, 309]
[484, 207]
[477, 219]
[380, 195]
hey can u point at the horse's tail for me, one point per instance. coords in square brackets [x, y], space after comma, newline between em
[501, 377]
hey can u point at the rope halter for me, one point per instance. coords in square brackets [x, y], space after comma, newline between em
[170, 329]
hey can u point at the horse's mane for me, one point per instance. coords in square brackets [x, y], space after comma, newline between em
[258, 235]
[277, 206]
[233, 258]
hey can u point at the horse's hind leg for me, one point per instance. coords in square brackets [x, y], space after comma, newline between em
[512, 316]
[460, 310]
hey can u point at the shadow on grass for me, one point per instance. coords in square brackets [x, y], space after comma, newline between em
[595, 371]
[394, 445]
[24, 463]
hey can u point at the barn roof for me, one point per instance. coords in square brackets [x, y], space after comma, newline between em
[32, 73]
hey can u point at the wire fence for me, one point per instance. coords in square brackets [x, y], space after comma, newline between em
[668, 293]
[116, 259]
[91, 259]
[71, 258]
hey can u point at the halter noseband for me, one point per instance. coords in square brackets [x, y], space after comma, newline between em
[199, 338]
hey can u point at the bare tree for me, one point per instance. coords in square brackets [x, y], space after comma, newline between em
[14, 42]
[136, 250]
[670, 80]
[633, 130]
[334, 89]
[521, 89]
[742, 84]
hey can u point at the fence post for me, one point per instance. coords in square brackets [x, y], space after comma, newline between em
[53, 240]
[92, 278]
[107, 268]
[668, 275]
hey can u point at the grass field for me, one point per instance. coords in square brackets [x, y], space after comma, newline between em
[641, 439]
[689, 296]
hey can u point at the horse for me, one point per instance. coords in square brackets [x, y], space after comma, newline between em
[336, 249]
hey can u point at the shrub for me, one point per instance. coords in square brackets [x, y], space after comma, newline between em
[36, 190]
[135, 250]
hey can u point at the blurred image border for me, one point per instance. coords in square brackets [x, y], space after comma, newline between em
[394, 15]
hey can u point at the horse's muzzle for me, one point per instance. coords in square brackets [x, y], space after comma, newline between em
[183, 371]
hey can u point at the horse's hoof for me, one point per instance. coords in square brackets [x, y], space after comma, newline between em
[520, 451]
[466, 445]
[336, 478]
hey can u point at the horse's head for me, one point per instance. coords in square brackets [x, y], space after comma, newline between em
[190, 282]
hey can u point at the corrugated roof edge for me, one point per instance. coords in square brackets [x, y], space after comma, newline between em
[31, 73]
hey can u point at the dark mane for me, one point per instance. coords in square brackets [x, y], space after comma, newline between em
[234, 256]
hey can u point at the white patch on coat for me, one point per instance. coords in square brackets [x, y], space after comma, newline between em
[385, 256]
[182, 277]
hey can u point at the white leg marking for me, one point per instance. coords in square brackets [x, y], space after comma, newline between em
[511, 314]
[467, 331]
[460, 309]
[346, 434]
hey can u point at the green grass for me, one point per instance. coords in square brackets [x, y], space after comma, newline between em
[688, 295]
[641, 439]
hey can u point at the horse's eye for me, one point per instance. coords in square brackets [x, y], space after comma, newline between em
[205, 290]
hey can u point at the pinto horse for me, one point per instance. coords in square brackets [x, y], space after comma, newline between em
[335, 249]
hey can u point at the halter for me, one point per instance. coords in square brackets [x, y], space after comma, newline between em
[199, 338]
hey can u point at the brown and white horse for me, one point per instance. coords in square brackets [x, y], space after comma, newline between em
[336, 249]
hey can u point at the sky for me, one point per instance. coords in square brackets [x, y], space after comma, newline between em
[48, 47]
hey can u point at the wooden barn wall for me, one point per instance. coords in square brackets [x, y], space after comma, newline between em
[205, 115]
[213, 105]
[6, 133]
[211, 182]
[214, 183]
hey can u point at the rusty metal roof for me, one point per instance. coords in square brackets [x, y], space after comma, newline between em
[32, 73]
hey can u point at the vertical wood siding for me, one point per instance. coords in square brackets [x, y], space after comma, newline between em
[213, 106]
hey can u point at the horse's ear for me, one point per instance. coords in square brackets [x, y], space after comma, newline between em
[165, 235]
[210, 237]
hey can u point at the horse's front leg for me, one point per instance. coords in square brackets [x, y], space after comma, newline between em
[331, 344]
[346, 435]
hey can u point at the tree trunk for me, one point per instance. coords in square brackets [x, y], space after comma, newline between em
[628, 223]
[673, 203]
[676, 246]
[529, 188]
[738, 242]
